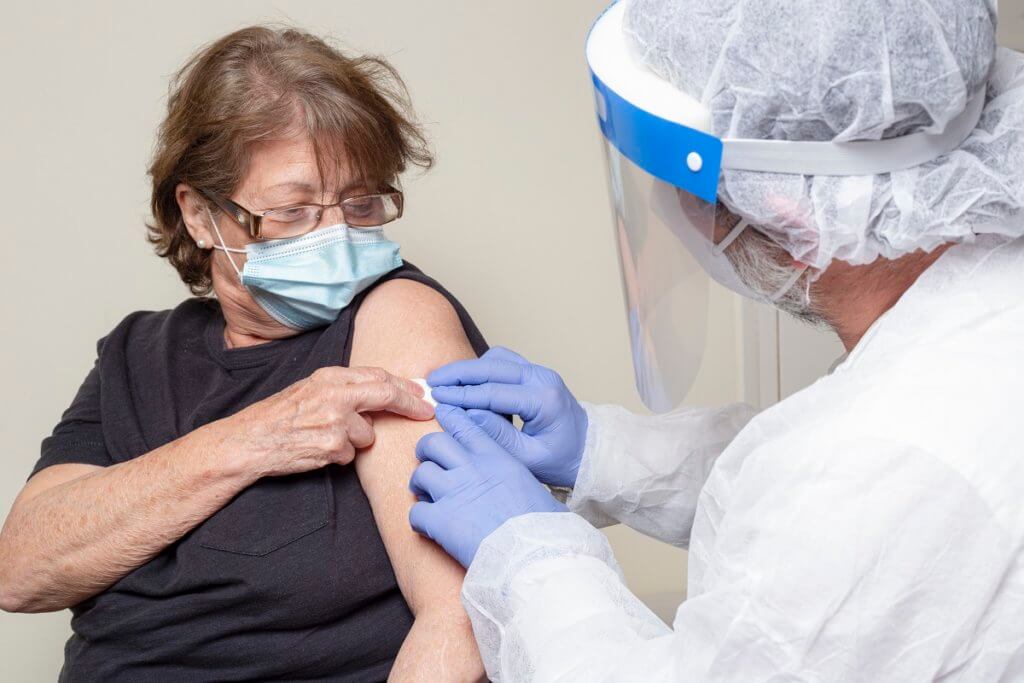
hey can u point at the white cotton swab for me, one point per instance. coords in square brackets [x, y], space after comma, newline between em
[426, 392]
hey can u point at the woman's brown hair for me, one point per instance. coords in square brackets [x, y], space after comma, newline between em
[261, 83]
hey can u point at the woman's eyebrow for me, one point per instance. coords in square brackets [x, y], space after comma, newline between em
[292, 185]
[306, 188]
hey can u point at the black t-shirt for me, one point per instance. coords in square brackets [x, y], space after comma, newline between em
[290, 580]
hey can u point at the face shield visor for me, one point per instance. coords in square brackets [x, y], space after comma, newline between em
[664, 167]
[663, 175]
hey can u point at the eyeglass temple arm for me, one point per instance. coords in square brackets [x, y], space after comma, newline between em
[241, 215]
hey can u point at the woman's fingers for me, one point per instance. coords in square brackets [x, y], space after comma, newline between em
[369, 375]
[343, 451]
[360, 430]
[373, 397]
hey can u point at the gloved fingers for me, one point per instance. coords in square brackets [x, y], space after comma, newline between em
[422, 518]
[479, 371]
[498, 428]
[507, 399]
[501, 353]
[430, 482]
[467, 433]
[442, 449]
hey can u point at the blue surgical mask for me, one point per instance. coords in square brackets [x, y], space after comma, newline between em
[305, 282]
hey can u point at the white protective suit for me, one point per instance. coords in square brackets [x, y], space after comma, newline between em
[868, 528]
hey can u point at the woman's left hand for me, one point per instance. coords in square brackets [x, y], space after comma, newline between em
[469, 486]
[322, 419]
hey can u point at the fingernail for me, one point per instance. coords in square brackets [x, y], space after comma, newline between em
[421, 386]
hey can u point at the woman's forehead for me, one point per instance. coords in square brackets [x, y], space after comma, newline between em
[289, 166]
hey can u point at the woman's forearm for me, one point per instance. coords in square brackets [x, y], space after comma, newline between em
[71, 541]
[68, 539]
[440, 647]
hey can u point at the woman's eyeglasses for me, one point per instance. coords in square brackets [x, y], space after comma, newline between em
[364, 211]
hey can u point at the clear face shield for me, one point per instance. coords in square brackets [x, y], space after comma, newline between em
[664, 166]
[665, 220]
[666, 288]
[671, 245]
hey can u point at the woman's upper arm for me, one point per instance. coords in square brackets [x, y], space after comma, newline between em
[408, 329]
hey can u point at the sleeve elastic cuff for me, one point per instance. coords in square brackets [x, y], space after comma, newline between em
[580, 500]
[526, 539]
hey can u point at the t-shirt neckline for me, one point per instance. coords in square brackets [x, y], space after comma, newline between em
[240, 358]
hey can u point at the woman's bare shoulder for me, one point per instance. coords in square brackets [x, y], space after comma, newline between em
[409, 329]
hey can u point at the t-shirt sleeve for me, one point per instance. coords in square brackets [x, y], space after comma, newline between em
[78, 437]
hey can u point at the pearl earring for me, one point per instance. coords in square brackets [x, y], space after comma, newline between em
[201, 244]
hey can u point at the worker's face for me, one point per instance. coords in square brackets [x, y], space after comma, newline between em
[766, 268]
[761, 264]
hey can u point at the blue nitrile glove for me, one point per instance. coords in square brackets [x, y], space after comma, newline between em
[469, 486]
[501, 381]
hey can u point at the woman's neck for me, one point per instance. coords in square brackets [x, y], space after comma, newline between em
[245, 323]
[238, 339]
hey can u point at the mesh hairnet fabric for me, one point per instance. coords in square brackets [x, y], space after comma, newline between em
[816, 70]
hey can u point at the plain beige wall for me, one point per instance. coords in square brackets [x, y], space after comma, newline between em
[514, 219]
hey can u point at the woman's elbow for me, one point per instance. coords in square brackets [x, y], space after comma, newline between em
[22, 586]
[16, 597]
[13, 594]
[11, 601]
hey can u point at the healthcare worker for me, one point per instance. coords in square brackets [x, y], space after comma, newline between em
[856, 163]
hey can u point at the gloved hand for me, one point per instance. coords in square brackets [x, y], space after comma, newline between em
[501, 381]
[469, 486]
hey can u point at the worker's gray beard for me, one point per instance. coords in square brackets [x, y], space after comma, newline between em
[765, 268]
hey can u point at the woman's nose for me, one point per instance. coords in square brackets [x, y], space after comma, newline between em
[333, 215]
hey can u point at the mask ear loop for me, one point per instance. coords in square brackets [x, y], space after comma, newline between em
[790, 283]
[720, 248]
[223, 247]
[807, 291]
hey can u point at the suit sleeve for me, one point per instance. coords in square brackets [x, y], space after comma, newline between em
[871, 562]
[647, 471]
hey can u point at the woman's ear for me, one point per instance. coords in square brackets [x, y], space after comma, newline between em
[194, 213]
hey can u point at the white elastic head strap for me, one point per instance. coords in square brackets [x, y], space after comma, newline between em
[859, 158]
[223, 247]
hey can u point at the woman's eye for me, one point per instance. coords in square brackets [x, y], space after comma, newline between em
[361, 208]
[293, 214]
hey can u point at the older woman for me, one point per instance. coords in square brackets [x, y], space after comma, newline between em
[197, 506]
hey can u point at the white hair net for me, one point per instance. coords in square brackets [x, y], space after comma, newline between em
[820, 70]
